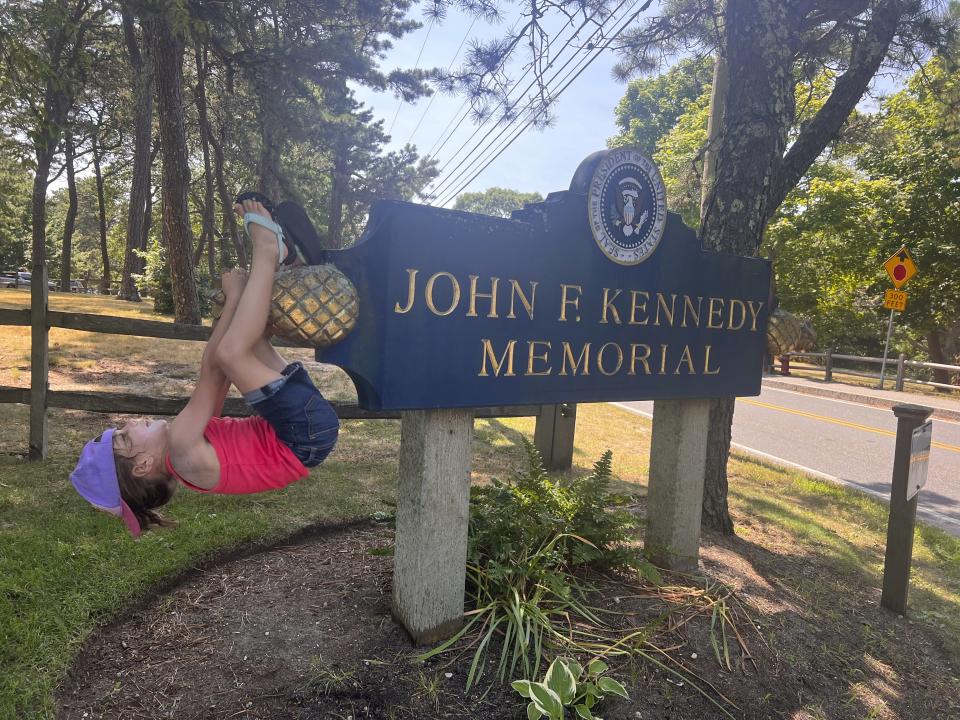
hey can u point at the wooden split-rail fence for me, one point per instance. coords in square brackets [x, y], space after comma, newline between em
[553, 436]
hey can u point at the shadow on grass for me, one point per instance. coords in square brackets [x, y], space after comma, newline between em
[843, 655]
[805, 527]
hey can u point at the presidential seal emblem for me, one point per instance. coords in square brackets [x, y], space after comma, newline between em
[627, 206]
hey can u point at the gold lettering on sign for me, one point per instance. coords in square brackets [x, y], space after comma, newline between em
[685, 357]
[429, 294]
[688, 307]
[564, 300]
[663, 360]
[712, 311]
[515, 291]
[608, 305]
[575, 364]
[496, 364]
[662, 305]
[600, 366]
[635, 306]
[634, 358]
[411, 291]
[706, 362]
[491, 296]
[743, 314]
[532, 355]
[754, 311]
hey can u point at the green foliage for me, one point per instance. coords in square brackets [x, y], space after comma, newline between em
[567, 684]
[651, 107]
[890, 180]
[893, 182]
[156, 279]
[15, 190]
[496, 201]
[512, 519]
[527, 537]
[678, 155]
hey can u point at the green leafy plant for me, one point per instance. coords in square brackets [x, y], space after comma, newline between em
[567, 684]
[527, 537]
[576, 517]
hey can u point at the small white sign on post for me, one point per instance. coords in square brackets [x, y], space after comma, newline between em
[919, 458]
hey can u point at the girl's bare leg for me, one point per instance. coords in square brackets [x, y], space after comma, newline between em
[238, 351]
[268, 355]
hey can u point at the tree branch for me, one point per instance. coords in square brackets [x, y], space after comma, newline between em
[865, 60]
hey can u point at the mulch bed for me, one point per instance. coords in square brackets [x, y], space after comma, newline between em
[303, 630]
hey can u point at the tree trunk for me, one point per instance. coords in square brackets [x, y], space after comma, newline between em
[101, 219]
[229, 224]
[936, 355]
[268, 168]
[145, 235]
[338, 184]
[141, 76]
[38, 205]
[66, 261]
[758, 109]
[167, 50]
[202, 238]
[209, 208]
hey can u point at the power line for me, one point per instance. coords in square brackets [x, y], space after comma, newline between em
[465, 106]
[553, 99]
[415, 66]
[475, 156]
[503, 103]
[433, 97]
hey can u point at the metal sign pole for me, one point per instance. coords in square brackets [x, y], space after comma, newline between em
[886, 349]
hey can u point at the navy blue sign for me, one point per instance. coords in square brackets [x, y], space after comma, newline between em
[596, 294]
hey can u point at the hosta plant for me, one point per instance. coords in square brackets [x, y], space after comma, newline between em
[567, 684]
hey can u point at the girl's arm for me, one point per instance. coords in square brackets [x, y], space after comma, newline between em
[207, 398]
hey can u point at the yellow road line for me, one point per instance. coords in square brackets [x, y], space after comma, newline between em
[835, 421]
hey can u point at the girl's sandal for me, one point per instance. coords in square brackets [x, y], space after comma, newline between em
[270, 225]
[287, 254]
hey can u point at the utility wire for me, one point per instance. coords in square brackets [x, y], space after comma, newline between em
[475, 156]
[434, 96]
[415, 66]
[553, 99]
[465, 107]
[503, 103]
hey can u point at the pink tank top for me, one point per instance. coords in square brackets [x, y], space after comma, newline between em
[252, 458]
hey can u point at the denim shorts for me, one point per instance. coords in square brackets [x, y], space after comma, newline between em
[301, 417]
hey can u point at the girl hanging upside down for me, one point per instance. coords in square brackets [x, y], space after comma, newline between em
[135, 469]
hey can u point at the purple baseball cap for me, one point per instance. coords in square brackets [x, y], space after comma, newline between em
[95, 478]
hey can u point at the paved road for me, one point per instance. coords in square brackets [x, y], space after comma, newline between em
[845, 441]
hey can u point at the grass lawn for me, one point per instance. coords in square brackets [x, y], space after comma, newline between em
[64, 568]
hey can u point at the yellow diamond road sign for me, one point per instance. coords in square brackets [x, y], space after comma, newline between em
[895, 300]
[900, 267]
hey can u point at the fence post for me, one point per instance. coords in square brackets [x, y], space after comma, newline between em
[553, 435]
[785, 364]
[901, 362]
[39, 358]
[828, 369]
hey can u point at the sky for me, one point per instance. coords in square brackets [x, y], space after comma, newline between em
[539, 160]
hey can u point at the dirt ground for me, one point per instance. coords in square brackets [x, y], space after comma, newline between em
[304, 631]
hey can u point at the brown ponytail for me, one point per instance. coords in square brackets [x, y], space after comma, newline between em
[143, 495]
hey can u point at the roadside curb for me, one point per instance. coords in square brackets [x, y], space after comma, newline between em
[939, 413]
